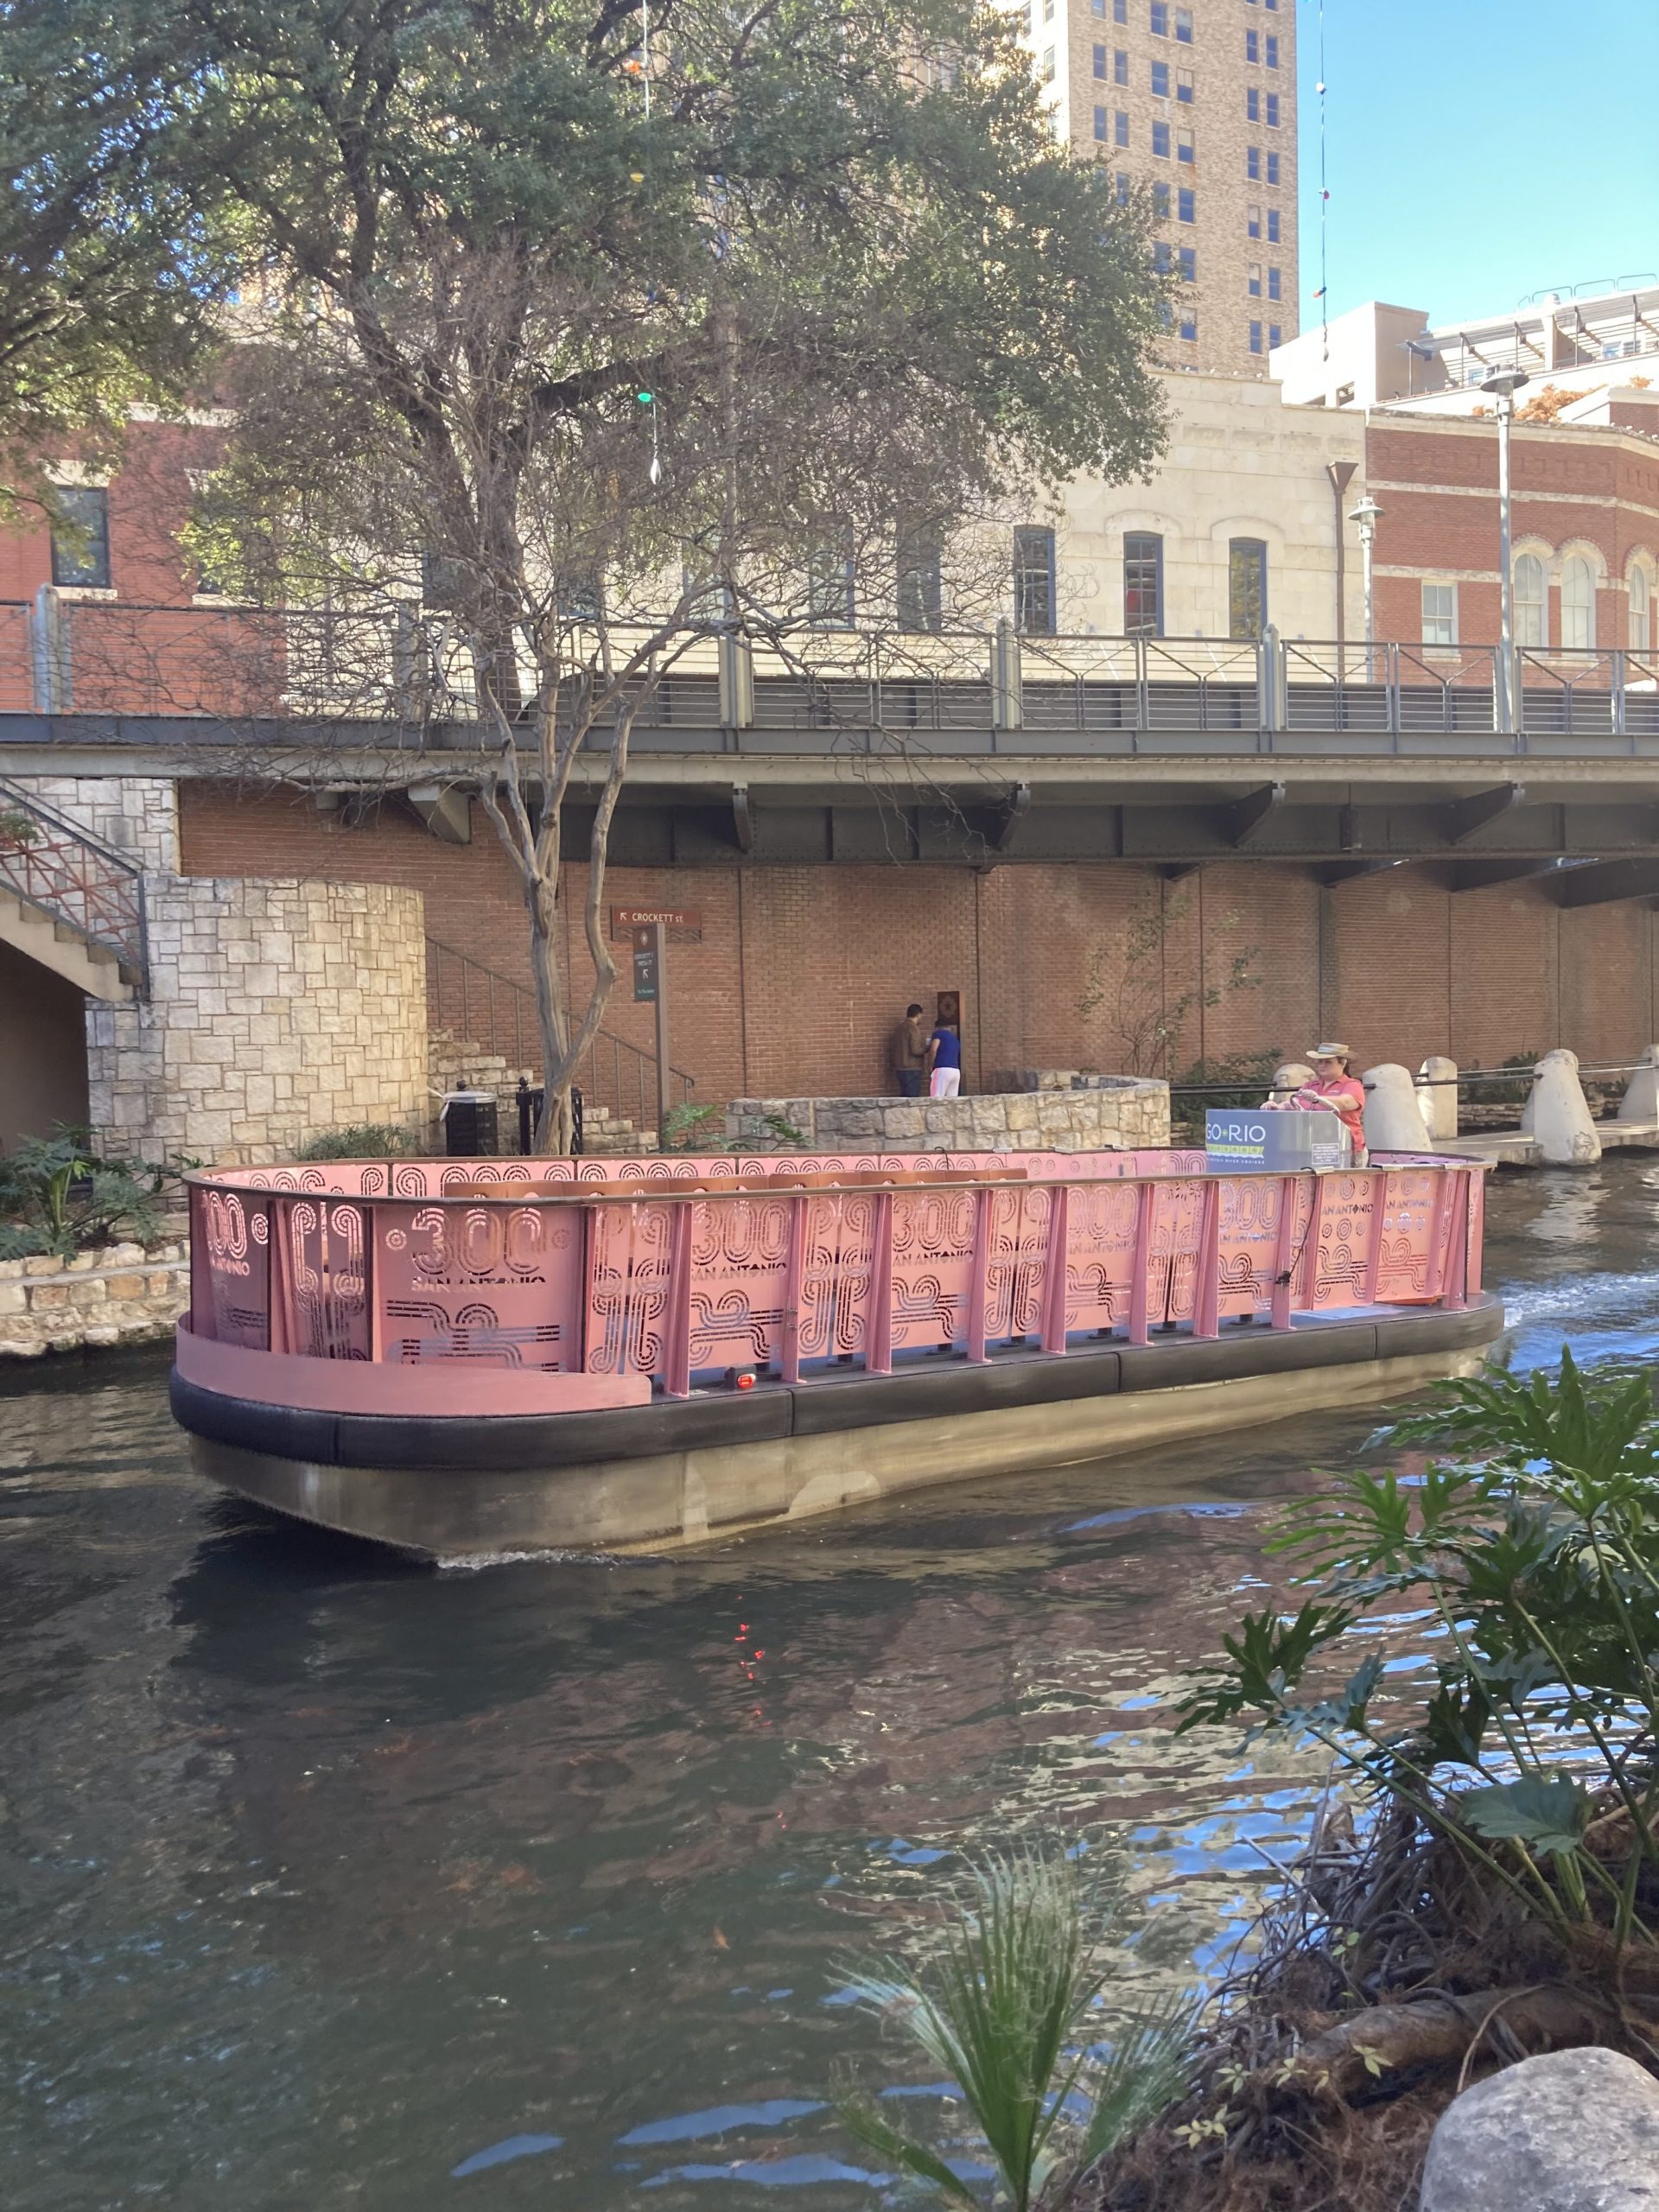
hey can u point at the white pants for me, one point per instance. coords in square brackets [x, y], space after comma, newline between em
[944, 1082]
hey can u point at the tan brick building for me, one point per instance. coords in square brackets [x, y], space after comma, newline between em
[1199, 101]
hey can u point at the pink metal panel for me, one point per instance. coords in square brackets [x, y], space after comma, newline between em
[326, 1254]
[1172, 1255]
[1056, 1274]
[493, 1285]
[1476, 1231]
[628, 1255]
[1335, 1259]
[932, 1265]
[1206, 1302]
[839, 1239]
[878, 1343]
[1020, 1219]
[1404, 1217]
[739, 1265]
[230, 1246]
[1247, 1240]
[1140, 1287]
[1100, 1254]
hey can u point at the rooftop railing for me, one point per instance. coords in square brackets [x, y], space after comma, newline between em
[227, 674]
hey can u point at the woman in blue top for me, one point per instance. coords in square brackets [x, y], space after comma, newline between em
[944, 1063]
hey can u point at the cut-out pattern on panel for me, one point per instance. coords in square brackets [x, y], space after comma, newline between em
[328, 1274]
[932, 1265]
[837, 1244]
[739, 1253]
[236, 1231]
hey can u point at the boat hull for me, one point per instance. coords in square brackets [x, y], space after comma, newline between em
[675, 1473]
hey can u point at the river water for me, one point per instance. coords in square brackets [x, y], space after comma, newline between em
[326, 1882]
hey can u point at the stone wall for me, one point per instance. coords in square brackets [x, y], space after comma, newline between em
[278, 1010]
[138, 815]
[1116, 1113]
[115, 1293]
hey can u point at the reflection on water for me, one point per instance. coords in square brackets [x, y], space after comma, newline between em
[330, 1883]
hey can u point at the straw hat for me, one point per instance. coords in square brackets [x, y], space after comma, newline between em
[1331, 1053]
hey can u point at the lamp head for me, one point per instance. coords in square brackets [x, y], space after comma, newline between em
[1365, 515]
[1504, 384]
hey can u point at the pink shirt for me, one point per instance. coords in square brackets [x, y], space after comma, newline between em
[1343, 1095]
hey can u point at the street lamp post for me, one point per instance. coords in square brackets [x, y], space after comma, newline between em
[1363, 518]
[1504, 384]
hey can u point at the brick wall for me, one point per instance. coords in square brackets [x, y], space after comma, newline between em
[801, 973]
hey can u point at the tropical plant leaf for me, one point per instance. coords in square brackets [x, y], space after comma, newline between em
[864, 2120]
[1549, 1812]
[1146, 2072]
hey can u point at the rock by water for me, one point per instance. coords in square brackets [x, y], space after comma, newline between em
[1577, 2130]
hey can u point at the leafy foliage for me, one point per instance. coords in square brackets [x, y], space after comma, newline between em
[1008, 2011]
[1535, 1554]
[359, 1141]
[1127, 981]
[58, 1197]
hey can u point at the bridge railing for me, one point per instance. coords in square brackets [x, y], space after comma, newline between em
[682, 1272]
[414, 673]
[58, 867]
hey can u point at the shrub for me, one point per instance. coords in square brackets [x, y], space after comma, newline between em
[58, 1197]
[359, 1141]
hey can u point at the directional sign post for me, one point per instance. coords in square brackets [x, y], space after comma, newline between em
[649, 940]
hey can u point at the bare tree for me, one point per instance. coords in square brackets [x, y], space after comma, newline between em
[696, 328]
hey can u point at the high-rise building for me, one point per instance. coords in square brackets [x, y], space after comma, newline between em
[1198, 101]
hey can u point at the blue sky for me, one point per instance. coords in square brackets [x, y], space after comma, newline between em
[1478, 150]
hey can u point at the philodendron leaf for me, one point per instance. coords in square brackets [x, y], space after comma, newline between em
[1549, 1812]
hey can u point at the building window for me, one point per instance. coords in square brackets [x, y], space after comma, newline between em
[1531, 606]
[1100, 8]
[1253, 163]
[1272, 51]
[1578, 603]
[1276, 336]
[1189, 265]
[829, 581]
[1160, 141]
[1184, 25]
[1120, 11]
[920, 594]
[1253, 105]
[80, 541]
[1275, 283]
[1253, 222]
[1273, 226]
[1034, 581]
[1121, 128]
[1272, 111]
[1161, 80]
[1252, 46]
[1162, 255]
[1121, 181]
[1440, 615]
[1273, 168]
[1186, 149]
[1161, 202]
[1048, 65]
[1189, 325]
[1184, 87]
[1100, 61]
[1159, 19]
[1246, 588]
[1143, 584]
[1252, 280]
[1048, 11]
[1255, 338]
[1120, 67]
[1100, 124]
[1641, 611]
[1186, 204]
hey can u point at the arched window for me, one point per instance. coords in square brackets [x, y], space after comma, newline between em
[1641, 611]
[1531, 617]
[1577, 602]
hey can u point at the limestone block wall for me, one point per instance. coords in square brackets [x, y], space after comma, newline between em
[138, 815]
[115, 1293]
[1115, 1114]
[277, 1010]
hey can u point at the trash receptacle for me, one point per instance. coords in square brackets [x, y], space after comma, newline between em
[469, 1123]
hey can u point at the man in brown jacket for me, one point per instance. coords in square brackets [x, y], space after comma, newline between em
[910, 1052]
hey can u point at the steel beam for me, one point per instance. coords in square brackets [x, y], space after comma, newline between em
[1245, 816]
[1465, 815]
[1597, 883]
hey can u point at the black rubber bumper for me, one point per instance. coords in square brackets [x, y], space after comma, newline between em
[771, 1411]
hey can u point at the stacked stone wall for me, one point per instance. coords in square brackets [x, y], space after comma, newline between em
[1128, 1114]
[115, 1293]
[278, 1010]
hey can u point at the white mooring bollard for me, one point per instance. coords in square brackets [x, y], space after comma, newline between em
[1393, 1121]
[1558, 1116]
[1641, 1099]
[1437, 1096]
[1287, 1081]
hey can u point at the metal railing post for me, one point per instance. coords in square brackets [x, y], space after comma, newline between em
[1616, 699]
[1142, 684]
[1007, 681]
[46, 652]
[1394, 712]
[735, 662]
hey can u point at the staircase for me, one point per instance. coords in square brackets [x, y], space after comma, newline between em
[484, 1029]
[70, 902]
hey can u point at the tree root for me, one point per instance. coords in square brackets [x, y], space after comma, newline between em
[1361, 2052]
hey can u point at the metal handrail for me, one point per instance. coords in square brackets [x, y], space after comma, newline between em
[508, 1007]
[72, 876]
